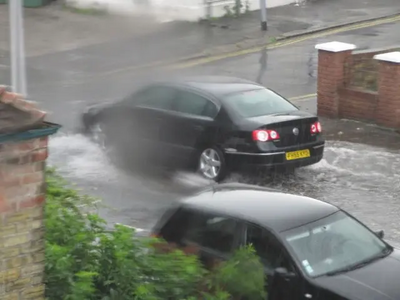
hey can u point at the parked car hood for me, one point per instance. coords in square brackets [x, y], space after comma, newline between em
[376, 281]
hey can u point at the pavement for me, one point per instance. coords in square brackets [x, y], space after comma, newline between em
[358, 172]
[85, 43]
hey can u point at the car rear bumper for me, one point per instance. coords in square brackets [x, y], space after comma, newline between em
[275, 159]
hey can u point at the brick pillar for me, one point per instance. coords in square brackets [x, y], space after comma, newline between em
[331, 66]
[23, 153]
[388, 110]
[22, 196]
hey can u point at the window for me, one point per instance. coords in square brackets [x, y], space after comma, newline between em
[194, 104]
[175, 227]
[258, 102]
[267, 248]
[214, 232]
[160, 97]
[334, 243]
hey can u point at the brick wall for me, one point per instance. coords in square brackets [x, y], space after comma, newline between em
[22, 196]
[341, 95]
[357, 104]
[23, 154]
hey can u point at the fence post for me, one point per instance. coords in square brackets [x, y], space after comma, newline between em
[238, 6]
[208, 5]
[388, 110]
[331, 66]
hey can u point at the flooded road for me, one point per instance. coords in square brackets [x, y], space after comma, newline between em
[361, 179]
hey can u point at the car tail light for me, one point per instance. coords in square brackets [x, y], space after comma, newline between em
[316, 128]
[265, 135]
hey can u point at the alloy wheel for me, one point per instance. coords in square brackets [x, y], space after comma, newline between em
[210, 163]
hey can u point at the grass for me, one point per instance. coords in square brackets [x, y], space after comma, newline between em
[363, 72]
[90, 11]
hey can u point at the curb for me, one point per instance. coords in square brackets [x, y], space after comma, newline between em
[336, 26]
[285, 37]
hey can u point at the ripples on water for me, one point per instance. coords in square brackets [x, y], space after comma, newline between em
[345, 166]
[363, 179]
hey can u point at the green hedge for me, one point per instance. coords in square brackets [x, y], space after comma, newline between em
[85, 261]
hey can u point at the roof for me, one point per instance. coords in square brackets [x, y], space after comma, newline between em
[275, 210]
[218, 86]
[17, 114]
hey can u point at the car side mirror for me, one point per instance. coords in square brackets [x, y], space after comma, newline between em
[283, 273]
[380, 234]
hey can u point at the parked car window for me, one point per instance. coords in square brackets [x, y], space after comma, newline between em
[160, 97]
[214, 232]
[267, 248]
[258, 102]
[194, 104]
[176, 225]
[334, 243]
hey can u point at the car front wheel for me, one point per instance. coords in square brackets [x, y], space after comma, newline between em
[212, 164]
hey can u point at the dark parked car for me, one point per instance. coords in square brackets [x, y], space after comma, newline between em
[209, 123]
[310, 249]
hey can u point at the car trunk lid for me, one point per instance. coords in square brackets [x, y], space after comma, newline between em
[294, 128]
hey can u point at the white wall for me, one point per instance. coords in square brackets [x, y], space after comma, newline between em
[169, 10]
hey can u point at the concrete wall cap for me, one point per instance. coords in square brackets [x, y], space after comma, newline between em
[393, 57]
[335, 47]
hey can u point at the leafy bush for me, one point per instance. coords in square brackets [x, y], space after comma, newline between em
[85, 261]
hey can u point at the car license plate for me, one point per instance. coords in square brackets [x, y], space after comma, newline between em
[297, 154]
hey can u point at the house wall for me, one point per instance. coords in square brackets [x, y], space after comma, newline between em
[170, 10]
[22, 197]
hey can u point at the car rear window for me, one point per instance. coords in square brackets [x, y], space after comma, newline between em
[258, 102]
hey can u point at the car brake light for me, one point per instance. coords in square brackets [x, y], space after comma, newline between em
[265, 135]
[316, 128]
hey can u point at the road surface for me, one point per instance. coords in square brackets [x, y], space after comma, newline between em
[362, 179]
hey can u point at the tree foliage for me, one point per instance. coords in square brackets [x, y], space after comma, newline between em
[87, 261]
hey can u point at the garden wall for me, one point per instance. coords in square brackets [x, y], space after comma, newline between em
[361, 85]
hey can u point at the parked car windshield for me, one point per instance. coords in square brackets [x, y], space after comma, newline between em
[259, 102]
[337, 242]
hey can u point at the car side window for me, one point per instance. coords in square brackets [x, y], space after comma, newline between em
[159, 97]
[267, 248]
[191, 103]
[175, 227]
[214, 232]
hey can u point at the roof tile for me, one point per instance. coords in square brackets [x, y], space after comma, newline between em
[16, 113]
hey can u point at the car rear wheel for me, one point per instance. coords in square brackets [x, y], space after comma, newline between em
[212, 164]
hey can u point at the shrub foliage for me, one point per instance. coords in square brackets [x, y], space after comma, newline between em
[87, 261]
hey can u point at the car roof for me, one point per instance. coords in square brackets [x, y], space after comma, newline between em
[269, 208]
[218, 86]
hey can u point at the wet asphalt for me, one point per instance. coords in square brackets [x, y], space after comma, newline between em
[362, 179]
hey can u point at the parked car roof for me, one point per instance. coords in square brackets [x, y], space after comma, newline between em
[270, 208]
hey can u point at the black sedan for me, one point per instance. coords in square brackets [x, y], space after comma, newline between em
[209, 123]
[310, 249]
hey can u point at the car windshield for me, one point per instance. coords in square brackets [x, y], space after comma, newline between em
[333, 244]
[258, 102]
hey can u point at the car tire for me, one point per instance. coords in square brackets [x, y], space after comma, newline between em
[211, 164]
